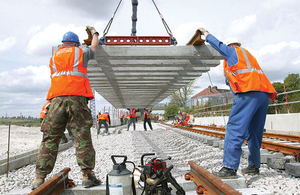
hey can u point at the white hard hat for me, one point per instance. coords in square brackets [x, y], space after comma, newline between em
[232, 40]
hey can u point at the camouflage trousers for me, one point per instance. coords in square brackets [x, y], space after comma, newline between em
[63, 110]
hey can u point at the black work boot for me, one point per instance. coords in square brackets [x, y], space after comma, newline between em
[226, 173]
[90, 180]
[251, 170]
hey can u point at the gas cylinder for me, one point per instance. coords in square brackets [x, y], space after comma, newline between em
[119, 181]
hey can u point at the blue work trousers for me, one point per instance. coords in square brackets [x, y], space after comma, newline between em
[131, 120]
[246, 121]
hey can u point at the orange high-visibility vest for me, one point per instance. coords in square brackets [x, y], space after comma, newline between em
[247, 75]
[132, 113]
[187, 116]
[104, 116]
[68, 76]
[45, 109]
[147, 115]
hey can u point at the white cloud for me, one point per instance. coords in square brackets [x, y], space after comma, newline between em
[29, 79]
[7, 43]
[41, 42]
[276, 48]
[185, 32]
[241, 25]
[34, 29]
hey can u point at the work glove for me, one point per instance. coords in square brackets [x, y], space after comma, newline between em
[92, 30]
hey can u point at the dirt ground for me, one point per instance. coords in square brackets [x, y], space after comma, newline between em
[22, 139]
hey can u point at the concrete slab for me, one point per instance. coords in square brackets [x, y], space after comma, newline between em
[293, 169]
[221, 145]
[121, 74]
[240, 182]
[15, 164]
[254, 191]
[218, 142]
[264, 157]
[187, 185]
[279, 162]
[211, 141]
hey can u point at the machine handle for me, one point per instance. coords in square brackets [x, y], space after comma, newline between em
[146, 154]
[118, 156]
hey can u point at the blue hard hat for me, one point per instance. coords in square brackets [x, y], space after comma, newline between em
[176, 117]
[70, 36]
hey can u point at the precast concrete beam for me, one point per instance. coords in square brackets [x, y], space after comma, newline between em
[143, 76]
[200, 52]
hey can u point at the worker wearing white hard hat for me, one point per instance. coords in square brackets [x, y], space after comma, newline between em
[232, 41]
[251, 89]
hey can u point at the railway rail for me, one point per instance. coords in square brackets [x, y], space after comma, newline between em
[288, 148]
[207, 183]
[55, 185]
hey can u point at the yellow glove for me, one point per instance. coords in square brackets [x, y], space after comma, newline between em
[92, 30]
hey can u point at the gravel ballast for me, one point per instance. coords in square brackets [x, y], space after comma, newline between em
[133, 144]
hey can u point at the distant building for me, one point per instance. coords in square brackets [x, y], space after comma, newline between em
[211, 94]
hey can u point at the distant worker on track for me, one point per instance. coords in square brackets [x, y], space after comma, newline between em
[69, 94]
[185, 118]
[132, 117]
[104, 118]
[147, 119]
[122, 119]
[251, 89]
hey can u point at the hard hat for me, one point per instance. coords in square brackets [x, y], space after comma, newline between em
[179, 112]
[232, 40]
[176, 117]
[70, 36]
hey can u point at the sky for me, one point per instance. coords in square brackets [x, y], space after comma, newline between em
[269, 29]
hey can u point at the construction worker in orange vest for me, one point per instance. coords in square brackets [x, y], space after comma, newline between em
[147, 119]
[69, 94]
[45, 110]
[121, 119]
[251, 89]
[132, 116]
[104, 118]
[185, 118]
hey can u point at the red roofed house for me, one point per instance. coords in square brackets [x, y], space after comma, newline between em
[212, 94]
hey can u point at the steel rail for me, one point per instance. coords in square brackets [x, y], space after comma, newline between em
[207, 183]
[55, 185]
[278, 136]
[269, 145]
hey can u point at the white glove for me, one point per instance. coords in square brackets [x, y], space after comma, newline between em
[92, 30]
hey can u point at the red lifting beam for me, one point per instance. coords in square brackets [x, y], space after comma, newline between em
[137, 40]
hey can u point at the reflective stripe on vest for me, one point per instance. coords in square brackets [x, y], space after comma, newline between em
[245, 76]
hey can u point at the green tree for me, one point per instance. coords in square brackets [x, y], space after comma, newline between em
[171, 109]
[292, 83]
[182, 95]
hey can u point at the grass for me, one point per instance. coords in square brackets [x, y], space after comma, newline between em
[32, 122]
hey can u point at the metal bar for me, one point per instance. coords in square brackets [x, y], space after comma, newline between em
[55, 182]
[137, 40]
[283, 148]
[213, 184]
[288, 92]
[8, 150]
[277, 147]
[196, 39]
